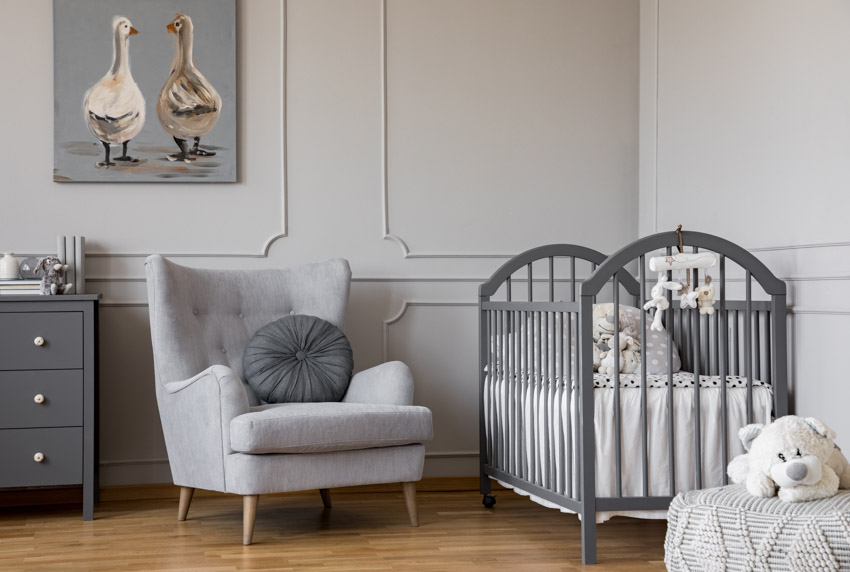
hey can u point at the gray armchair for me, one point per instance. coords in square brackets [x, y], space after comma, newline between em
[220, 437]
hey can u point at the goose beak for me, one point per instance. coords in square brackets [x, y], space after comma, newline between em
[133, 31]
[171, 29]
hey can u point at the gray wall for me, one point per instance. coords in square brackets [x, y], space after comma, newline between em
[499, 125]
[745, 133]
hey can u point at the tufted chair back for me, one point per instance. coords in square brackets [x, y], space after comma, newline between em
[201, 318]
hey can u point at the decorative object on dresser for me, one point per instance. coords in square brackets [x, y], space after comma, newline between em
[28, 265]
[20, 287]
[53, 283]
[48, 393]
[72, 251]
[9, 267]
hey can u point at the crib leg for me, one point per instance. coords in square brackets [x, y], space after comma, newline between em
[588, 537]
[484, 484]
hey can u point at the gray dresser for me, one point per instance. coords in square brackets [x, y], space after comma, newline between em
[48, 393]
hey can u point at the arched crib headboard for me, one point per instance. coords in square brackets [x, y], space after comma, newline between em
[728, 342]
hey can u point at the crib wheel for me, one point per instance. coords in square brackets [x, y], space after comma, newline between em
[489, 501]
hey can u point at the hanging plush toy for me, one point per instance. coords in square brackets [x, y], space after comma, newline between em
[706, 294]
[659, 300]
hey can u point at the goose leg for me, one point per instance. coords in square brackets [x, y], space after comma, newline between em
[183, 155]
[126, 157]
[200, 152]
[106, 162]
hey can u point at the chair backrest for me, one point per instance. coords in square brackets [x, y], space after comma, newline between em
[202, 317]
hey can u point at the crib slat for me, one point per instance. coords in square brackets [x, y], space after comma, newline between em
[546, 384]
[618, 445]
[491, 331]
[526, 380]
[643, 421]
[768, 361]
[572, 278]
[671, 449]
[757, 345]
[553, 386]
[748, 346]
[551, 278]
[736, 343]
[559, 396]
[569, 385]
[722, 350]
[503, 395]
[535, 403]
[530, 284]
[508, 288]
[697, 370]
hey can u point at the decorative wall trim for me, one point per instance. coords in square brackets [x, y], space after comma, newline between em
[385, 198]
[284, 176]
[651, 108]
[401, 313]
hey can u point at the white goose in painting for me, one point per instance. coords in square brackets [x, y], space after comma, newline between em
[188, 105]
[114, 107]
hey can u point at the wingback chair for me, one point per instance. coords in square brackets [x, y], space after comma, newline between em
[220, 436]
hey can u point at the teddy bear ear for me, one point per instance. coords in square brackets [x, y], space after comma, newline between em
[748, 433]
[820, 428]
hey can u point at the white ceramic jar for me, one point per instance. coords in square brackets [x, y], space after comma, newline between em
[9, 267]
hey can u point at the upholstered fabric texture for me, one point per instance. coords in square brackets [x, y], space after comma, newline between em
[726, 528]
[262, 474]
[298, 359]
[321, 427]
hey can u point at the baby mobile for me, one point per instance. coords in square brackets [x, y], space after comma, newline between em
[702, 296]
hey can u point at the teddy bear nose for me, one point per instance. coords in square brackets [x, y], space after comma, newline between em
[797, 471]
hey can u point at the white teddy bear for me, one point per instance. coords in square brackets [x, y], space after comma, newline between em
[629, 356]
[705, 297]
[794, 454]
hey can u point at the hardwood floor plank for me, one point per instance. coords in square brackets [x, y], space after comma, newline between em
[364, 531]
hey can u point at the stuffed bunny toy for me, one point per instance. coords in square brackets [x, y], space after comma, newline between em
[52, 283]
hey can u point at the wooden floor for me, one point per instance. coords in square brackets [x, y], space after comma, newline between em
[363, 531]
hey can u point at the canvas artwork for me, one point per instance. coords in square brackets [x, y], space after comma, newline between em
[144, 91]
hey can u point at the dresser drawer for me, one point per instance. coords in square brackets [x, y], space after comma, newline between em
[41, 398]
[61, 332]
[62, 463]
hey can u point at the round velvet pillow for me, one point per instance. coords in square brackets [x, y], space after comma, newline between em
[298, 359]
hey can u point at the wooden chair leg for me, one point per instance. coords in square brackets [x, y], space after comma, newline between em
[249, 513]
[326, 497]
[410, 499]
[185, 500]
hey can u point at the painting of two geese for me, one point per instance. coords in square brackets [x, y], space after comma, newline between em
[164, 111]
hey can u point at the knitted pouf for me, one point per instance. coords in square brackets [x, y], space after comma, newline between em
[728, 529]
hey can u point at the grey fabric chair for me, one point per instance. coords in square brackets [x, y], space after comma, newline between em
[220, 437]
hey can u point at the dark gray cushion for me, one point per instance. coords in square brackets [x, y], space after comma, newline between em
[298, 359]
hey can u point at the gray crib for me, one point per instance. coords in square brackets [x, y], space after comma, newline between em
[541, 418]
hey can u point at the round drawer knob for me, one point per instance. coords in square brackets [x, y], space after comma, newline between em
[39, 341]
[38, 457]
[38, 399]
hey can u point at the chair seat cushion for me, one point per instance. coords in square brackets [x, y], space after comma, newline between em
[325, 427]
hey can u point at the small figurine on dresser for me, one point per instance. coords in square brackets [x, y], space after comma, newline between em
[53, 282]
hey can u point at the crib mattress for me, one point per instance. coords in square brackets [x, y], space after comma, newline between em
[533, 418]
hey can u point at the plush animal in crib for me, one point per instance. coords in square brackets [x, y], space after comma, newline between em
[794, 455]
[52, 283]
[629, 356]
[705, 297]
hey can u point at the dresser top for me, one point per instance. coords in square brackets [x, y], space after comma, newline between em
[44, 298]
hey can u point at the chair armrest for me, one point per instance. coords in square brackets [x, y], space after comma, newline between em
[390, 383]
[196, 415]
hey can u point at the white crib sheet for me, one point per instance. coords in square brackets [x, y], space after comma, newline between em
[541, 445]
